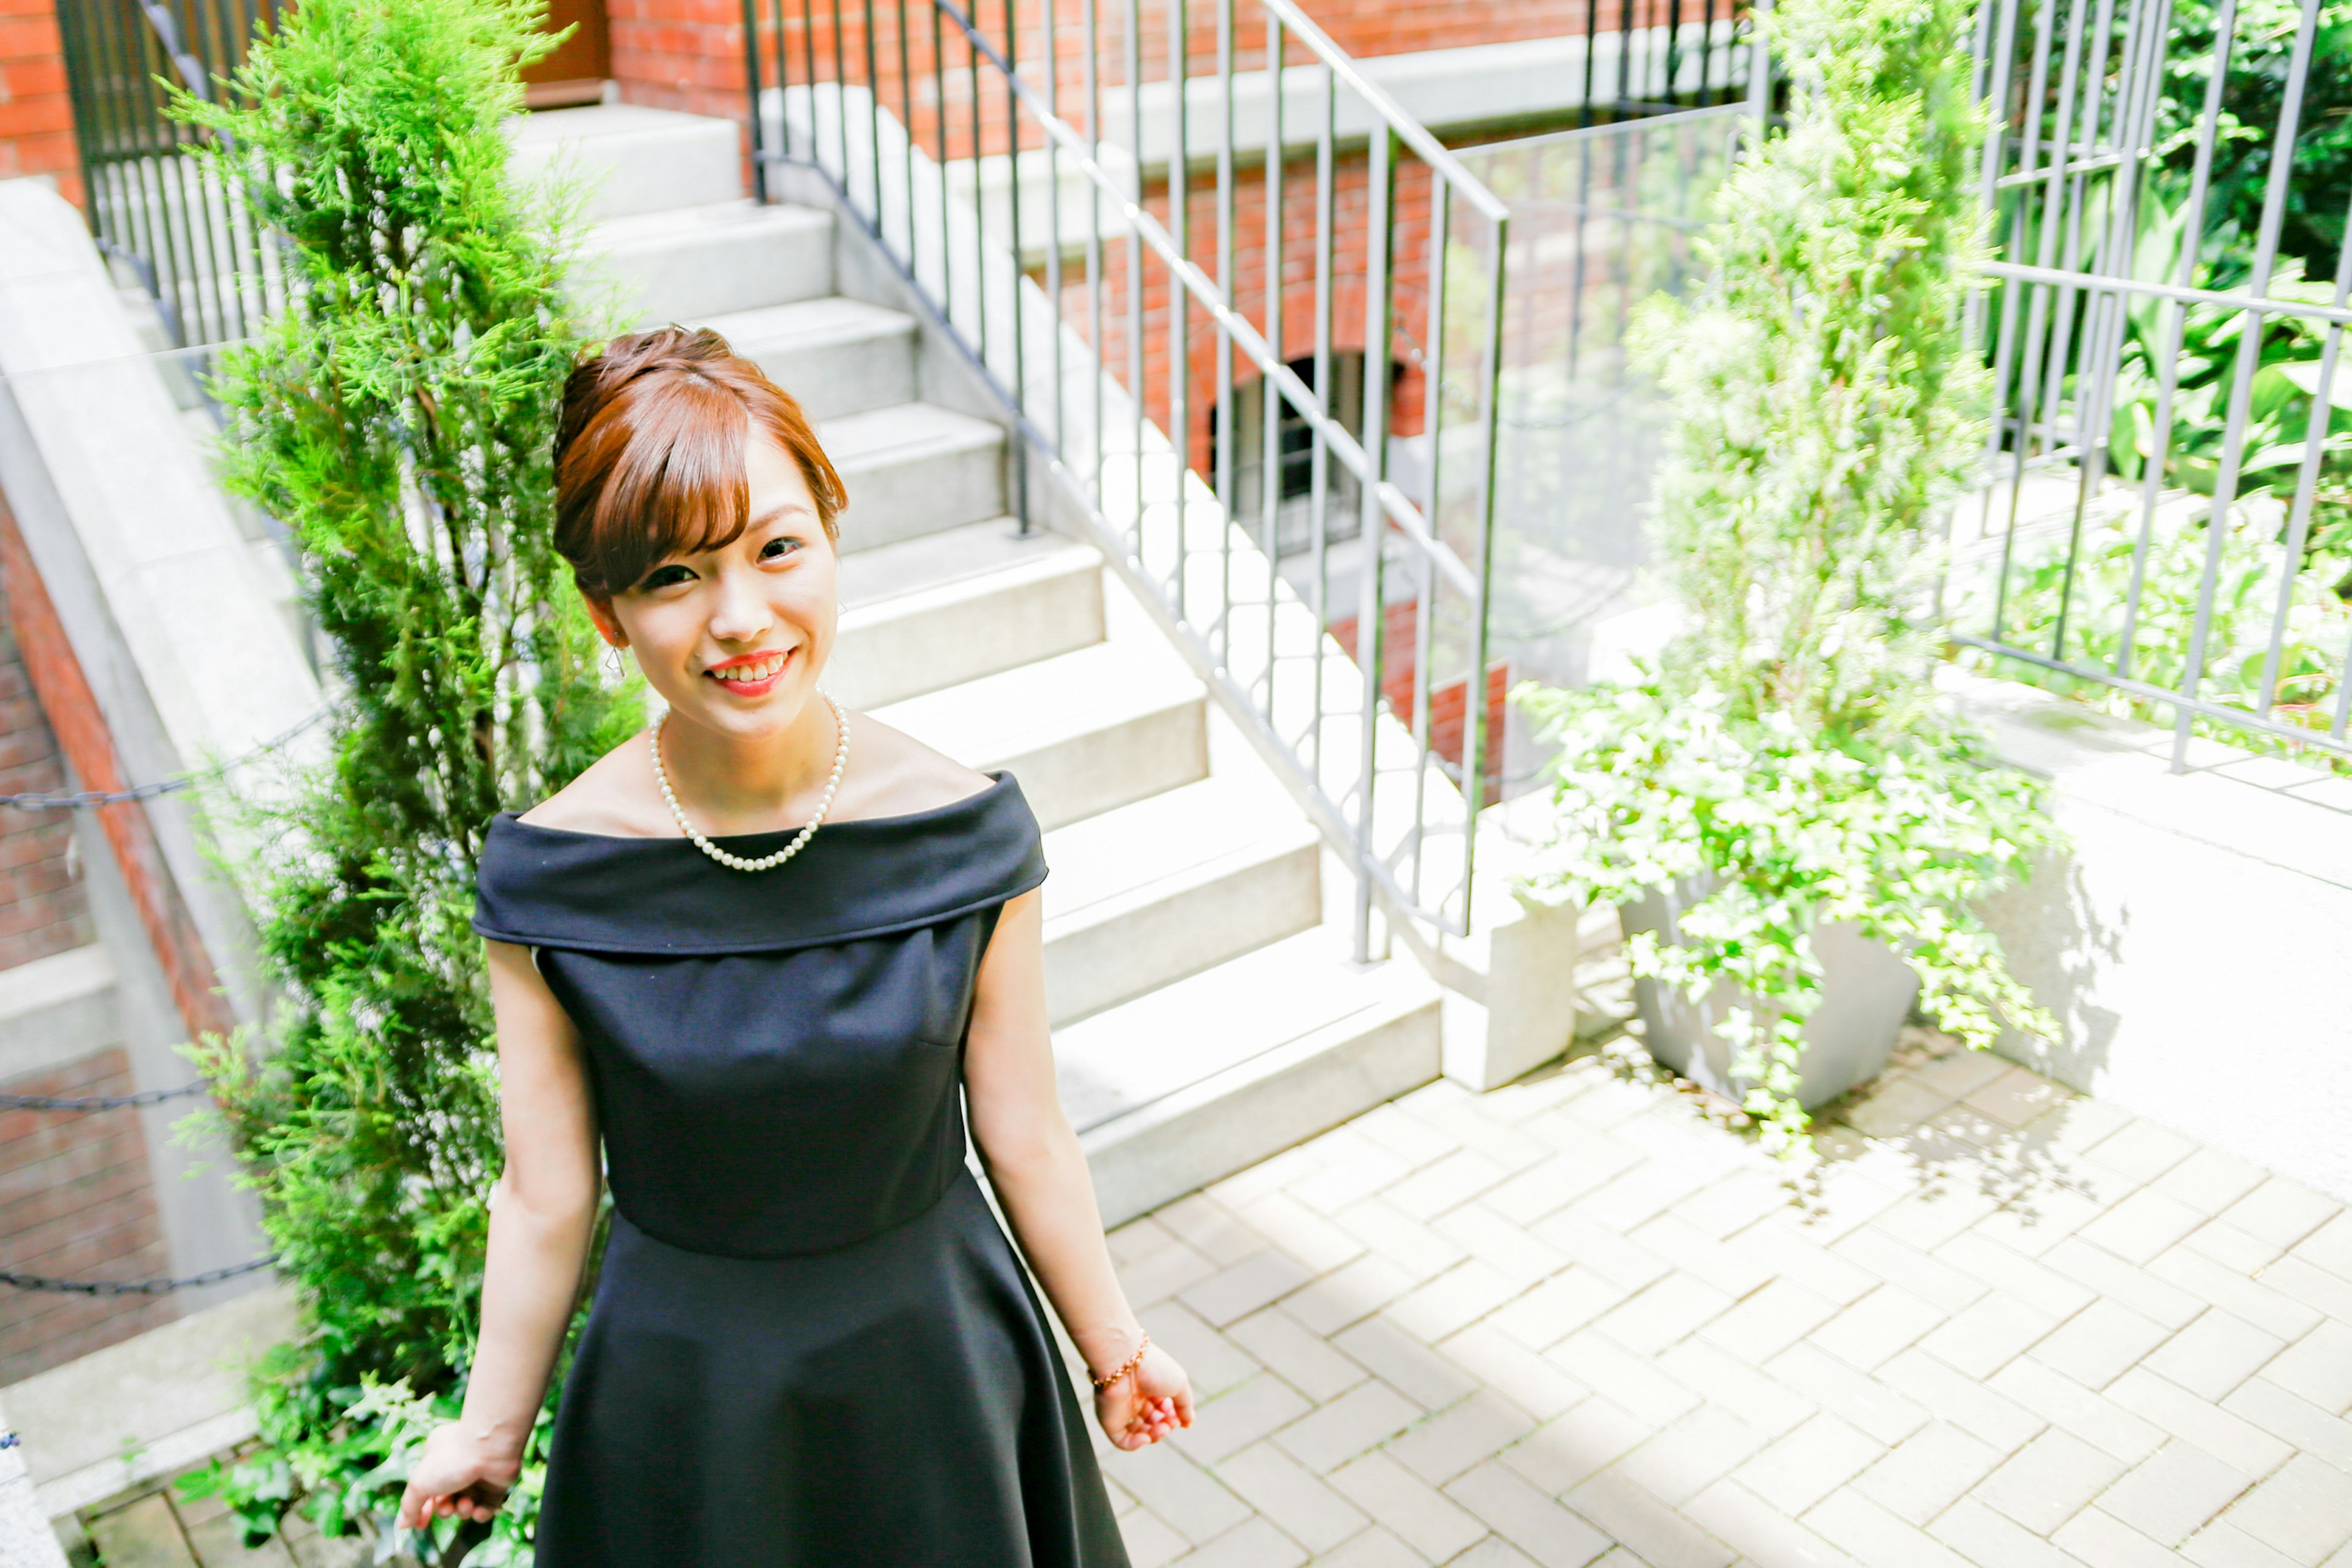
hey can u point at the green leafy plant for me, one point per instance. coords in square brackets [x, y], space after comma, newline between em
[2253, 94]
[2086, 575]
[1785, 760]
[2305, 681]
[398, 415]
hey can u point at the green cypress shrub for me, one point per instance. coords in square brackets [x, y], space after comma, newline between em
[398, 417]
[1785, 758]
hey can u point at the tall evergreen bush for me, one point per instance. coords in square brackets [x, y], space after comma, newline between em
[1785, 762]
[398, 417]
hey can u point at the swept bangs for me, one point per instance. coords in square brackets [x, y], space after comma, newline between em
[649, 456]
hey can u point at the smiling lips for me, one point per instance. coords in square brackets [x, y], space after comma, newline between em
[751, 675]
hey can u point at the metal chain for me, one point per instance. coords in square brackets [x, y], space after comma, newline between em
[76, 800]
[129, 1287]
[98, 1102]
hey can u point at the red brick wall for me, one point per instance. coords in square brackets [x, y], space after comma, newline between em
[1448, 714]
[1408, 296]
[681, 54]
[77, 1201]
[42, 910]
[36, 116]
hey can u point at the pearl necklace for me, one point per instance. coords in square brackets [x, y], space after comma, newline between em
[800, 839]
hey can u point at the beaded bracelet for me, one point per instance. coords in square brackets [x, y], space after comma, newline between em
[1129, 1365]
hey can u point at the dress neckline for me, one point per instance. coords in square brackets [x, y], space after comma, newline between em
[997, 782]
[868, 877]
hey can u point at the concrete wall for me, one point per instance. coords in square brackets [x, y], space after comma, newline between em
[164, 646]
[76, 1191]
[2194, 938]
[167, 602]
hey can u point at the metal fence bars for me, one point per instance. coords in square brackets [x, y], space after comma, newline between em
[1070, 195]
[187, 236]
[2168, 516]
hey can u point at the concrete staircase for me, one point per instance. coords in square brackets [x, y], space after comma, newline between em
[1204, 1013]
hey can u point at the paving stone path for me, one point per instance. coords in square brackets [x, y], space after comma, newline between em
[1583, 1321]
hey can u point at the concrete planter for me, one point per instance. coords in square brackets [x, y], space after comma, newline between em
[1867, 992]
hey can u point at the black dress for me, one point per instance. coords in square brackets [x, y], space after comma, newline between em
[811, 1343]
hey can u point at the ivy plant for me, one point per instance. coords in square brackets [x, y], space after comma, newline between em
[398, 415]
[1784, 759]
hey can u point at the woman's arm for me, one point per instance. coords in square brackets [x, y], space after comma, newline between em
[542, 1214]
[1041, 1178]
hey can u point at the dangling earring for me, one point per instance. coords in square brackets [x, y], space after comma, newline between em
[612, 662]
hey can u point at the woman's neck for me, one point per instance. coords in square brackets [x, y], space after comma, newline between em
[749, 784]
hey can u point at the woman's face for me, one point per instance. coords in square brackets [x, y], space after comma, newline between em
[734, 638]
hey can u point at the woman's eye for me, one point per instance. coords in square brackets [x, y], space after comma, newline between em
[777, 549]
[665, 576]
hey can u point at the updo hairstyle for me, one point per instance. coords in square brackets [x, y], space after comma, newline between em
[649, 456]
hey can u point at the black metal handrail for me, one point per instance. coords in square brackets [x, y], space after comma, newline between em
[186, 234]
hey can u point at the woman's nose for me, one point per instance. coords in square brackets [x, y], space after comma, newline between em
[740, 612]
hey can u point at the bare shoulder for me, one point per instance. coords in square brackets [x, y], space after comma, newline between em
[613, 795]
[891, 773]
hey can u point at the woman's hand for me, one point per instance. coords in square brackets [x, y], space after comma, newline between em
[459, 1473]
[1148, 1403]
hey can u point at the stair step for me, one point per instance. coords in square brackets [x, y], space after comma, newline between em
[1085, 731]
[1174, 885]
[837, 356]
[688, 263]
[944, 608]
[629, 159]
[914, 469]
[1208, 1076]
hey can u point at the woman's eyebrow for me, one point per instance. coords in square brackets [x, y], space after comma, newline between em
[783, 511]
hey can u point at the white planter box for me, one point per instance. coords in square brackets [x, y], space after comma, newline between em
[1866, 995]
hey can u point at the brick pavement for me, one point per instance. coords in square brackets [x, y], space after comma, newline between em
[1582, 1320]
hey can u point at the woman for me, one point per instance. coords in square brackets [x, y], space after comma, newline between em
[754, 953]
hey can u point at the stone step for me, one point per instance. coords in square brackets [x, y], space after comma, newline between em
[944, 608]
[1085, 733]
[913, 469]
[626, 159]
[685, 264]
[834, 355]
[1210, 1075]
[1172, 884]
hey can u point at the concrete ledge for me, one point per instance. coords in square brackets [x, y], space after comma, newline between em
[1511, 998]
[56, 1010]
[2193, 937]
[147, 1407]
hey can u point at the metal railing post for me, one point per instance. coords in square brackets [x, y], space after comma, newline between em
[752, 87]
[2249, 356]
[1371, 614]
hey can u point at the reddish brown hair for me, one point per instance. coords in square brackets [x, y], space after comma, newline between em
[649, 456]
